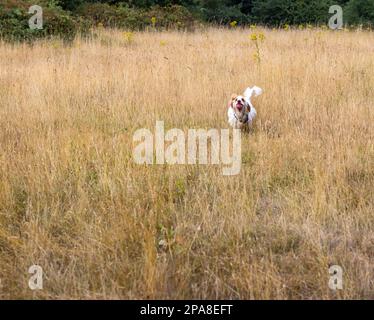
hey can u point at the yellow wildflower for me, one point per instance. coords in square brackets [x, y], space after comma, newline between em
[129, 36]
[233, 24]
[153, 20]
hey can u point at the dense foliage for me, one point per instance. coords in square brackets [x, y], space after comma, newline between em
[14, 21]
[271, 12]
[67, 17]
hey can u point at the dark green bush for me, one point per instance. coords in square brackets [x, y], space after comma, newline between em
[65, 18]
[174, 16]
[14, 19]
[359, 12]
[293, 12]
[122, 16]
[70, 5]
[222, 12]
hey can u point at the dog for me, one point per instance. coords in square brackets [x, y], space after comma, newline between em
[241, 111]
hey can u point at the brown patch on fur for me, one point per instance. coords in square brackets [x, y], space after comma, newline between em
[233, 96]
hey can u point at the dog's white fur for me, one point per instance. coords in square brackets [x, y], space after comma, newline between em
[240, 110]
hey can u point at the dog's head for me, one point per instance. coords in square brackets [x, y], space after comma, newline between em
[240, 104]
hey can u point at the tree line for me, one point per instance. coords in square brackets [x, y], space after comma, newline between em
[65, 18]
[265, 12]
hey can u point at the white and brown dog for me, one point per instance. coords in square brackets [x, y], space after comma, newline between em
[241, 111]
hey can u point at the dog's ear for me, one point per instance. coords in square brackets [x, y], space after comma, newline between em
[248, 107]
[233, 97]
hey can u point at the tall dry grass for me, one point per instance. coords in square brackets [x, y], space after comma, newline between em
[73, 201]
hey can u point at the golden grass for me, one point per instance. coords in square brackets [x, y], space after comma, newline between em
[73, 201]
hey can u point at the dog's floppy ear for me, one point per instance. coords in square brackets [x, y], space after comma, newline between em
[233, 96]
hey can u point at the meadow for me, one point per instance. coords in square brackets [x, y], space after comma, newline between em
[73, 201]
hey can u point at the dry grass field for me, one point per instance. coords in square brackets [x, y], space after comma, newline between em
[73, 201]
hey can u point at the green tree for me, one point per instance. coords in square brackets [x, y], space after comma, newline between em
[277, 12]
[359, 12]
[222, 11]
[70, 4]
